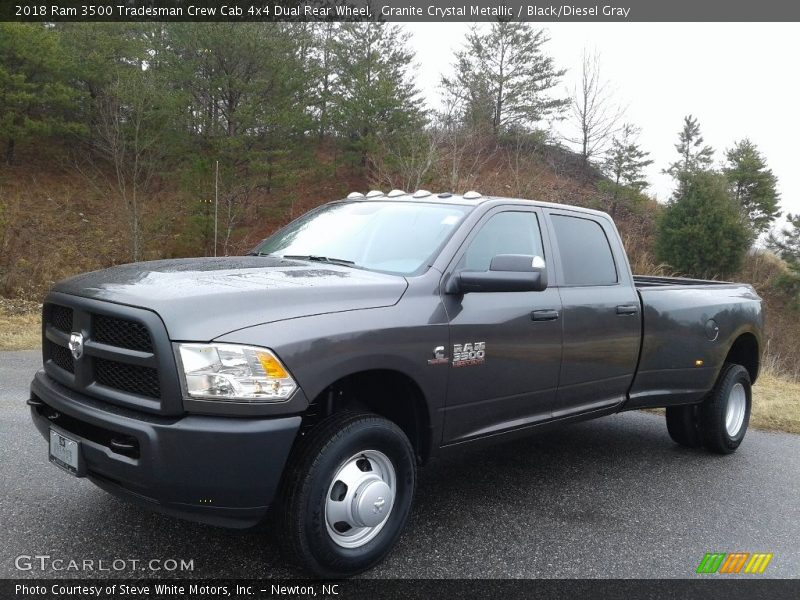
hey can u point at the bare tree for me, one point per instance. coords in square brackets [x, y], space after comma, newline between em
[465, 146]
[405, 163]
[594, 117]
[234, 205]
[126, 144]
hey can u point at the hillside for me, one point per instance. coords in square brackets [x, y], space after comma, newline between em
[55, 223]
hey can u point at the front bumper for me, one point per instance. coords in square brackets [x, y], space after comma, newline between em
[218, 470]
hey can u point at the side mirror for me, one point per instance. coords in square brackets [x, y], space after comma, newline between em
[507, 273]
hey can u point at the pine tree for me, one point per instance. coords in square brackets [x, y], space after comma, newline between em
[752, 185]
[695, 155]
[36, 98]
[701, 232]
[373, 97]
[506, 77]
[625, 165]
[786, 243]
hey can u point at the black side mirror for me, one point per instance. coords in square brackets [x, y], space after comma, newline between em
[507, 273]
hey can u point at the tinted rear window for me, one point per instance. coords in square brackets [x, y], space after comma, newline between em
[585, 253]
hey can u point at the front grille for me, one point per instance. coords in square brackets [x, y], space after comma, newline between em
[60, 317]
[127, 357]
[133, 379]
[122, 333]
[61, 356]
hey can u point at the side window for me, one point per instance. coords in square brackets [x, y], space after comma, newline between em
[585, 252]
[504, 233]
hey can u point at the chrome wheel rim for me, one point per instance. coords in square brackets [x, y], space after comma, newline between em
[360, 498]
[734, 413]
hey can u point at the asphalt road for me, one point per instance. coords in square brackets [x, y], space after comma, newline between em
[608, 498]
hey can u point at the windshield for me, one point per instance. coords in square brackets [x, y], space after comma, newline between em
[396, 237]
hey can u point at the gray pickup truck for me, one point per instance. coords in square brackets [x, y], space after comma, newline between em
[302, 386]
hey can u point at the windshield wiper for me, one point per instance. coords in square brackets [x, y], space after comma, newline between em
[325, 259]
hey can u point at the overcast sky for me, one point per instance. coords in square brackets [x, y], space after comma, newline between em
[739, 80]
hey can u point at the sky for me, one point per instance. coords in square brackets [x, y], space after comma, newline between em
[739, 80]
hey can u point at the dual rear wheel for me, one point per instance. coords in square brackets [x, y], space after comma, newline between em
[720, 422]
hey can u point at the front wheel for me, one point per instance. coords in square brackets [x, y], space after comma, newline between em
[348, 493]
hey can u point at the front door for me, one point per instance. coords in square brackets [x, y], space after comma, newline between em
[505, 347]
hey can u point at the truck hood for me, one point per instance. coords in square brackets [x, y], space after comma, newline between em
[200, 299]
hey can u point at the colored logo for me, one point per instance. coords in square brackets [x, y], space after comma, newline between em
[735, 562]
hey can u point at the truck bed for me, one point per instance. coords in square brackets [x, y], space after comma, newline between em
[688, 326]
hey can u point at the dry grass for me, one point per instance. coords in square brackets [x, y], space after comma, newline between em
[20, 324]
[20, 331]
[776, 404]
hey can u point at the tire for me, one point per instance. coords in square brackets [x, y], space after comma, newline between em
[725, 413]
[356, 448]
[683, 425]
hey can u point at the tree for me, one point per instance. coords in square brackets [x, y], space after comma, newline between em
[323, 73]
[506, 77]
[248, 90]
[695, 155]
[786, 243]
[701, 232]
[464, 148]
[624, 166]
[593, 117]
[373, 97]
[133, 117]
[36, 98]
[752, 185]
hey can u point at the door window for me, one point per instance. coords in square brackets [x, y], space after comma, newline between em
[512, 232]
[585, 252]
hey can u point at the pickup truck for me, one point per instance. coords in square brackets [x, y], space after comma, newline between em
[303, 385]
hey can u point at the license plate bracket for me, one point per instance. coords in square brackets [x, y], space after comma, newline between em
[64, 451]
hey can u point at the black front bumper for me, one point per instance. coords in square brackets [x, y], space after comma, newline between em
[218, 470]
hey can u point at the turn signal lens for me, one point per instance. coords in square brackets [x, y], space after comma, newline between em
[271, 365]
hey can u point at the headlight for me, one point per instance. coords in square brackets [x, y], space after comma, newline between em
[233, 373]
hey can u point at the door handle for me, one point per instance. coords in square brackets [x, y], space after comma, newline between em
[544, 315]
[627, 309]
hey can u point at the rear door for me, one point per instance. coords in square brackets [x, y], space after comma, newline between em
[601, 313]
[505, 350]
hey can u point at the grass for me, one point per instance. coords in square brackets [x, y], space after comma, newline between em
[776, 400]
[20, 332]
[20, 325]
[776, 404]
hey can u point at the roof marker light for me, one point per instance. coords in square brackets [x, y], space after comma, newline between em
[355, 195]
[472, 195]
[421, 194]
[374, 193]
[396, 193]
